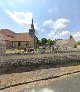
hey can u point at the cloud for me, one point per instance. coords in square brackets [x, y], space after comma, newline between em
[23, 18]
[76, 36]
[55, 26]
[20, 17]
[57, 35]
[51, 35]
[48, 23]
[58, 24]
[36, 26]
[64, 33]
[61, 35]
[42, 30]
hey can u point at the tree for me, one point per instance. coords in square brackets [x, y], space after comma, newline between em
[37, 41]
[51, 42]
[78, 43]
[54, 42]
[71, 36]
[43, 41]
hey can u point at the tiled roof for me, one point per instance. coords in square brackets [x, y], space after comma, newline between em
[12, 36]
[7, 32]
[7, 38]
[22, 37]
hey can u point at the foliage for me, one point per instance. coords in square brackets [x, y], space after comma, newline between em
[37, 41]
[78, 43]
[43, 41]
[54, 42]
[71, 36]
[51, 42]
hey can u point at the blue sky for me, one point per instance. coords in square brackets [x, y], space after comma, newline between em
[53, 19]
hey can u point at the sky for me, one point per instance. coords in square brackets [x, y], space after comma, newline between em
[53, 19]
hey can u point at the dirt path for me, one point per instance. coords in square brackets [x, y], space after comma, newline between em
[7, 80]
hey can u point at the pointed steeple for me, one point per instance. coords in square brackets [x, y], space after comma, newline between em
[32, 30]
[32, 21]
[32, 25]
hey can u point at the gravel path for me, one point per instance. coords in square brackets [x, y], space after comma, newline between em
[16, 78]
[70, 83]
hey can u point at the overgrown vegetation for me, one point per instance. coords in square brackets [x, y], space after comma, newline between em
[78, 43]
[44, 42]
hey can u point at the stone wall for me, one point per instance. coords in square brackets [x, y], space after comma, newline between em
[28, 64]
[9, 44]
[23, 44]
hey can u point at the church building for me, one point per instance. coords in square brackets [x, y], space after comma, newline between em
[19, 40]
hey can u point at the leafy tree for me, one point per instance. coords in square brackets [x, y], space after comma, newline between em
[51, 42]
[40, 42]
[43, 41]
[78, 43]
[54, 42]
[71, 36]
[37, 41]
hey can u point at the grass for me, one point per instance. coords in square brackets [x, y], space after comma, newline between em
[10, 51]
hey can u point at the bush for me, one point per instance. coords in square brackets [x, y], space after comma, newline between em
[78, 43]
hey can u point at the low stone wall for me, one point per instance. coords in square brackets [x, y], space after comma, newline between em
[28, 64]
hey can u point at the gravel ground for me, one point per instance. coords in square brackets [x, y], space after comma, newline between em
[20, 80]
[16, 78]
[70, 83]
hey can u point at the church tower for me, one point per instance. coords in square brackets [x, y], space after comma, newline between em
[32, 30]
[32, 33]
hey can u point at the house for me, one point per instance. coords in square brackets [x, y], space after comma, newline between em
[65, 44]
[19, 40]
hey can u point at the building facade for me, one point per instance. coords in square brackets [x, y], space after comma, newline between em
[19, 40]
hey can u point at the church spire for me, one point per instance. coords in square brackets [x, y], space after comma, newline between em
[32, 25]
[32, 21]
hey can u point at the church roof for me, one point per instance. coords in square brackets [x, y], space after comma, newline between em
[22, 37]
[2, 42]
[7, 32]
[12, 36]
